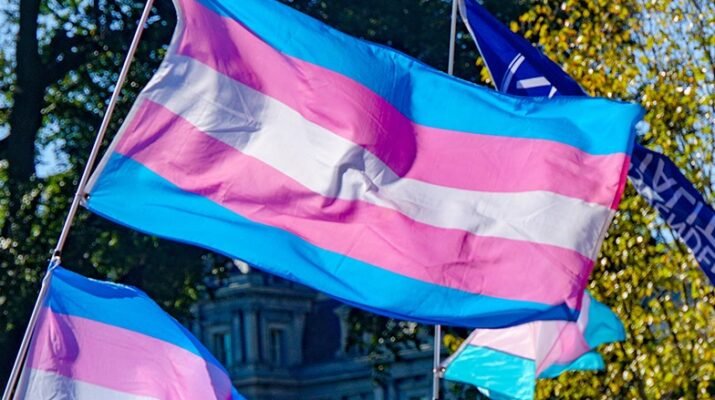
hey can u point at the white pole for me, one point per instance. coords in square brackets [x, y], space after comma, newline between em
[57, 253]
[438, 328]
[452, 38]
[15, 374]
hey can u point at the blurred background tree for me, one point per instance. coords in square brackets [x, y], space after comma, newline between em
[60, 58]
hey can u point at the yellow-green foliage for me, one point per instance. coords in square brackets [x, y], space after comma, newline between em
[659, 53]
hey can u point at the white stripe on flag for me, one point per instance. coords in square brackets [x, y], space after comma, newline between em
[41, 385]
[328, 164]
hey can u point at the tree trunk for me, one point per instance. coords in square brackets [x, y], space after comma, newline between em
[26, 112]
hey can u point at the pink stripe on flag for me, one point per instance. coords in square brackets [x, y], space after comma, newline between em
[351, 110]
[566, 339]
[518, 340]
[172, 147]
[123, 360]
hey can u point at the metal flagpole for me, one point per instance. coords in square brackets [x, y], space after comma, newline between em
[79, 195]
[452, 38]
[15, 374]
[436, 361]
[438, 328]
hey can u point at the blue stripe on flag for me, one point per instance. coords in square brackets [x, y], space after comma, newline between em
[603, 325]
[143, 200]
[131, 309]
[591, 361]
[502, 374]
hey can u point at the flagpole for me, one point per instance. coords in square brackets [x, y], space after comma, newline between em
[78, 197]
[15, 374]
[452, 38]
[436, 361]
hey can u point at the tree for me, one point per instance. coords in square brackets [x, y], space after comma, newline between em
[62, 70]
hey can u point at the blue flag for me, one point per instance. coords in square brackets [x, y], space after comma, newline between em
[660, 182]
[519, 68]
[515, 65]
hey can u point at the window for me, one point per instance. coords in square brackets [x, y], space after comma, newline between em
[223, 349]
[277, 348]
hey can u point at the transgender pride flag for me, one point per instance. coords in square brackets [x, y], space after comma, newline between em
[505, 363]
[356, 170]
[102, 341]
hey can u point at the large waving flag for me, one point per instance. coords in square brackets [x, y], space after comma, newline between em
[98, 340]
[361, 172]
[505, 363]
[519, 68]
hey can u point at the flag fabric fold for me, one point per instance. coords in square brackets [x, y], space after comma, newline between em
[361, 172]
[100, 340]
[520, 69]
[505, 363]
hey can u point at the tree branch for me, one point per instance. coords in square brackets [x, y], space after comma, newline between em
[25, 117]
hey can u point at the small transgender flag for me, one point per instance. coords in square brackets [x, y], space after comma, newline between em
[505, 363]
[99, 340]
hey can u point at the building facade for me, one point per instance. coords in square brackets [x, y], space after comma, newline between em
[283, 341]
